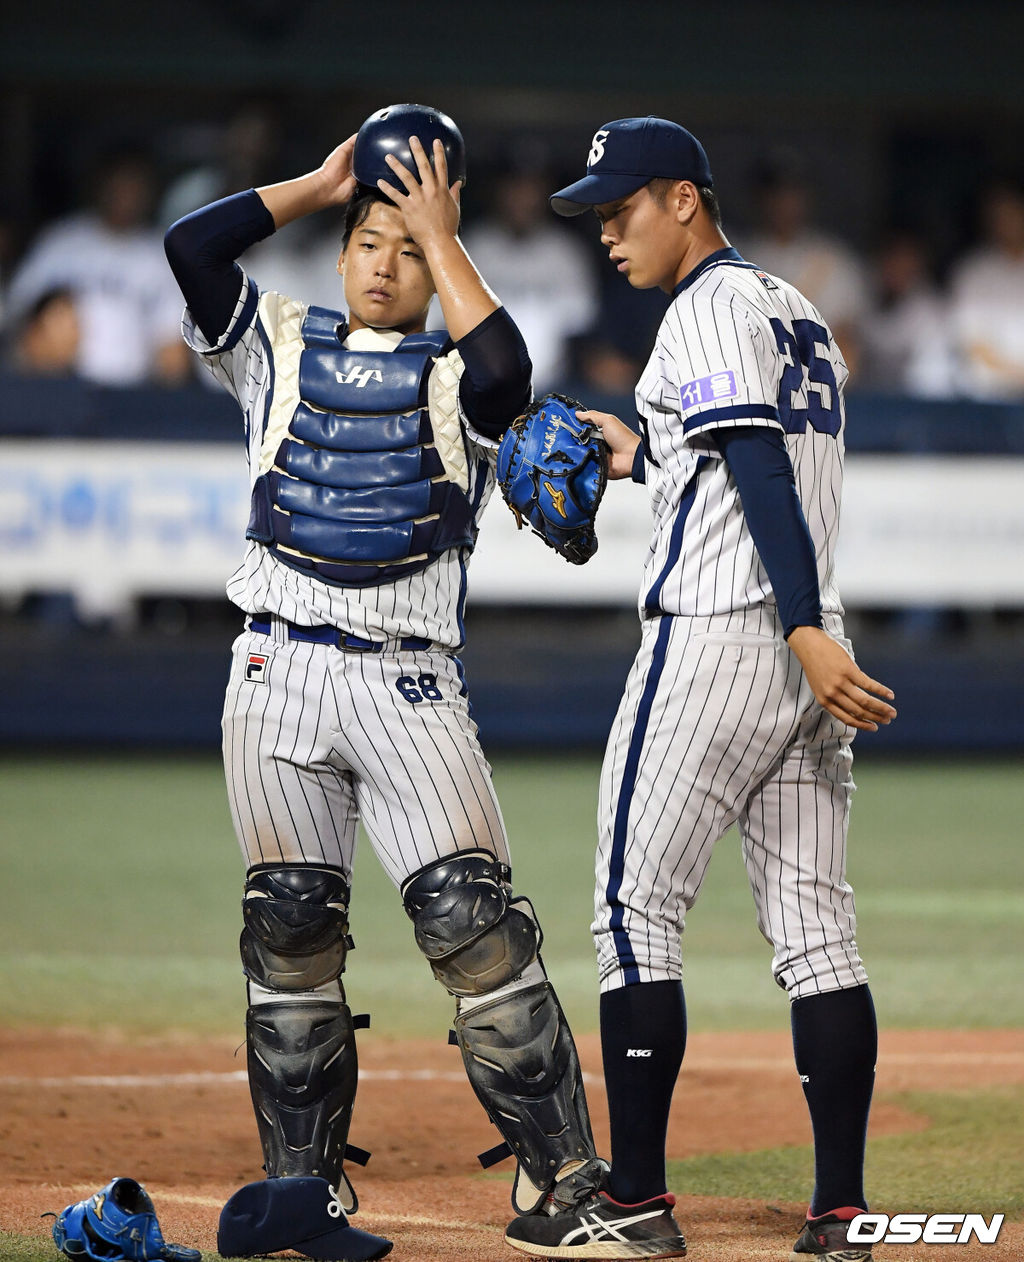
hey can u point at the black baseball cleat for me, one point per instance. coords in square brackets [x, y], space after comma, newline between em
[599, 1227]
[826, 1237]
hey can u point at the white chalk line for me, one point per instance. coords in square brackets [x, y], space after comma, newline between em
[716, 1065]
[380, 1219]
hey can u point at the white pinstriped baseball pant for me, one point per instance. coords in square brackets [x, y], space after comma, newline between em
[717, 725]
[316, 737]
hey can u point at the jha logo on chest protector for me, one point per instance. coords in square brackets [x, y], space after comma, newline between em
[359, 376]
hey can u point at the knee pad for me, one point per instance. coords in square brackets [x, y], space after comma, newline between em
[475, 935]
[296, 926]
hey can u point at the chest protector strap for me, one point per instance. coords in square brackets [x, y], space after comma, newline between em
[358, 493]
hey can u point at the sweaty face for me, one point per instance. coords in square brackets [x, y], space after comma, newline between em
[387, 282]
[643, 240]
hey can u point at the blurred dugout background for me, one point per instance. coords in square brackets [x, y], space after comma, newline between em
[870, 152]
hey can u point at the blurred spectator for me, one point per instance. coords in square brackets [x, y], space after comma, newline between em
[9, 251]
[299, 259]
[610, 357]
[246, 154]
[47, 341]
[907, 342]
[789, 245]
[988, 298]
[538, 269]
[113, 262]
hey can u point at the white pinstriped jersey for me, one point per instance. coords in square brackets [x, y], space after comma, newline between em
[736, 347]
[427, 604]
[717, 724]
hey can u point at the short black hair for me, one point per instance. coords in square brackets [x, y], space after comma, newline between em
[659, 187]
[358, 210]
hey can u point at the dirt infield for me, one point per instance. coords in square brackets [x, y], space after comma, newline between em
[78, 1109]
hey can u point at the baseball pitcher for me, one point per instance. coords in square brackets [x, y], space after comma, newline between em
[742, 701]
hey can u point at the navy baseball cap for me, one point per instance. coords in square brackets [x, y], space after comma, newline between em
[293, 1213]
[627, 154]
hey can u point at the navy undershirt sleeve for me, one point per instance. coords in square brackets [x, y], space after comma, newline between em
[495, 387]
[760, 466]
[201, 249]
[639, 473]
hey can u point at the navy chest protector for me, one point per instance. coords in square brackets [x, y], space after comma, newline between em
[358, 494]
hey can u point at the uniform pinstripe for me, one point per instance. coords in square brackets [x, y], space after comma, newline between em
[316, 737]
[717, 724]
[328, 739]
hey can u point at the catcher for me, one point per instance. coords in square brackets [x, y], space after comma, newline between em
[371, 446]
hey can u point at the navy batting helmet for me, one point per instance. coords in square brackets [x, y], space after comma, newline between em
[388, 131]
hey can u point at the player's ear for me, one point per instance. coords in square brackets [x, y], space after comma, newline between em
[686, 200]
[341, 261]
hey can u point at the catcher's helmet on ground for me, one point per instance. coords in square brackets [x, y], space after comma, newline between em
[388, 131]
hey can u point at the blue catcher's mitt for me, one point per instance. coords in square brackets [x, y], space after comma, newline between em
[552, 471]
[117, 1224]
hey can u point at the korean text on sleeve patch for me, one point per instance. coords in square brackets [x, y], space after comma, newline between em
[710, 389]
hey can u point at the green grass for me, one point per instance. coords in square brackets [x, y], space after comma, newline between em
[122, 879]
[23, 1249]
[967, 1161]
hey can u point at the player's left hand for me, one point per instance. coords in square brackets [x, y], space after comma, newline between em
[430, 208]
[838, 683]
[622, 441]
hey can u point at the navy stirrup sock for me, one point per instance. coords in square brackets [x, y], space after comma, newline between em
[835, 1042]
[643, 1036]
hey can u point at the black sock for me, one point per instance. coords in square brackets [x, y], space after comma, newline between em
[835, 1041]
[643, 1036]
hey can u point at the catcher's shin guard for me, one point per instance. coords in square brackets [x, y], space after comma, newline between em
[521, 1061]
[302, 1077]
[517, 1047]
[299, 1030]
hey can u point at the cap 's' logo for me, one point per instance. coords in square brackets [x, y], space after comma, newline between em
[597, 148]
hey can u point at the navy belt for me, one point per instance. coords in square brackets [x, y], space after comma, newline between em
[339, 639]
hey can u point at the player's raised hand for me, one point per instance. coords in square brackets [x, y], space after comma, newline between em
[430, 208]
[622, 441]
[838, 683]
[331, 184]
[335, 173]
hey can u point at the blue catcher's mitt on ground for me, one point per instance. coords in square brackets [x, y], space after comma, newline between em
[552, 470]
[117, 1224]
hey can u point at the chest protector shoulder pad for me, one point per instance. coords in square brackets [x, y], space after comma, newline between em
[358, 493]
